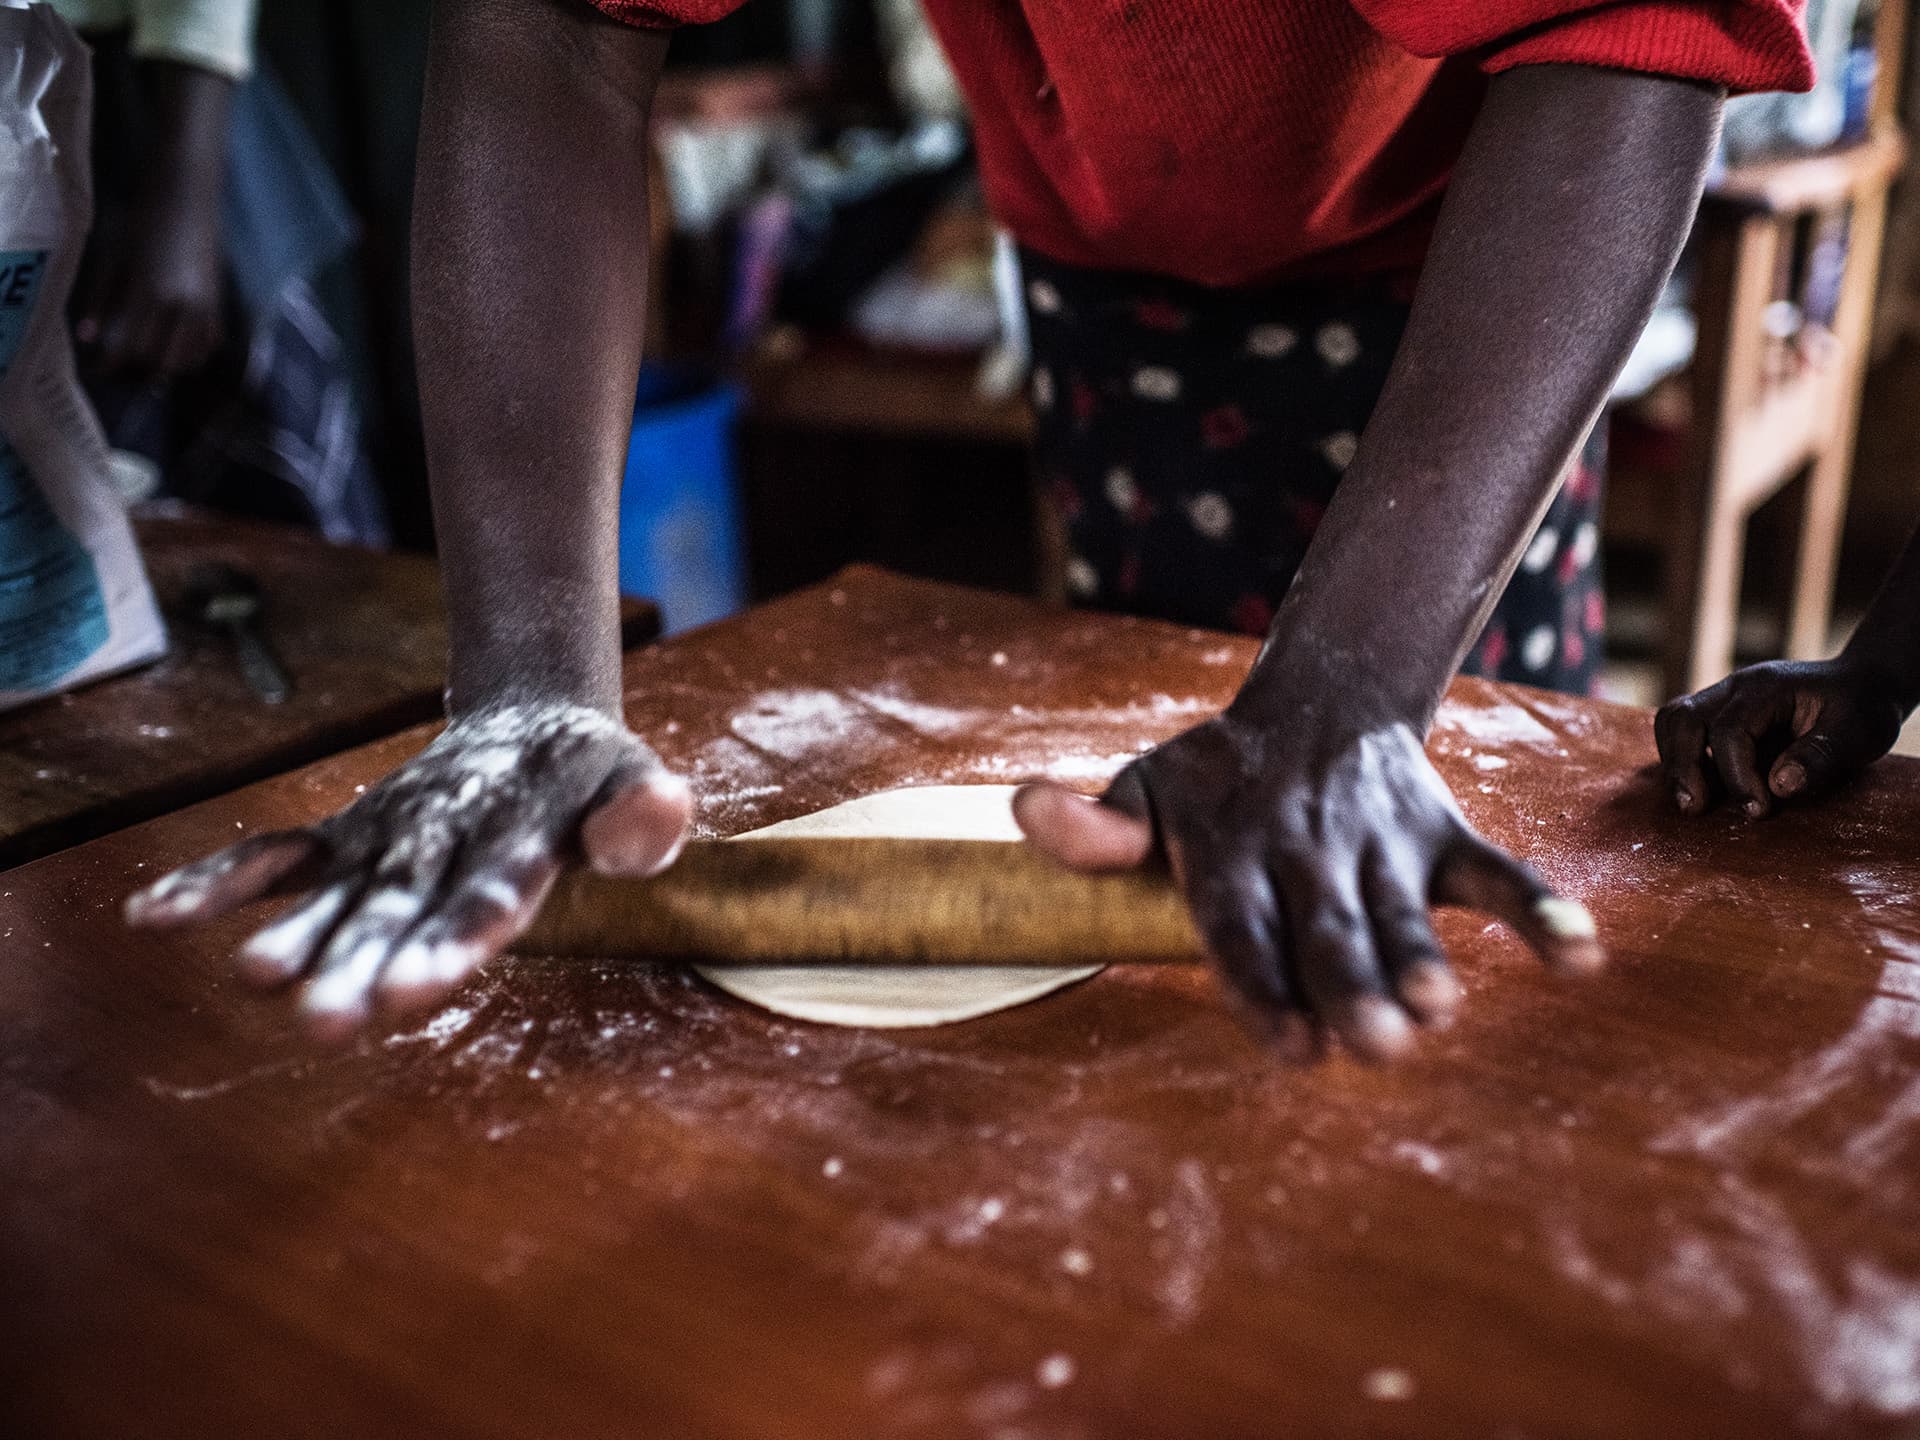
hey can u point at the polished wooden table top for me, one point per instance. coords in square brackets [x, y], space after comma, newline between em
[361, 634]
[602, 1200]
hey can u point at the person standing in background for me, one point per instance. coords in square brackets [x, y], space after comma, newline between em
[151, 303]
[203, 340]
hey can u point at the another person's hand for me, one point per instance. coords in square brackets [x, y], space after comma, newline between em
[153, 306]
[1310, 868]
[1781, 731]
[442, 864]
[153, 310]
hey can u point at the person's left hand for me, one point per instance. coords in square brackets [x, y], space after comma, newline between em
[1310, 865]
[1785, 730]
[153, 309]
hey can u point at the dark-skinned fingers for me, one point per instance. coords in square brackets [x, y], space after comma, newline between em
[638, 824]
[143, 340]
[1336, 962]
[1081, 833]
[1817, 762]
[1733, 741]
[1237, 916]
[1395, 894]
[1127, 793]
[102, 300]
[1340, 972]
[286, 949]
[242, 873]
[1483, 877]
[203, 336]
[116, 341]
[1680, 732]
[184, 344]
[340, 996]
[488, 902]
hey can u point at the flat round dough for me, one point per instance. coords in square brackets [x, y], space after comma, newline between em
[864, 995]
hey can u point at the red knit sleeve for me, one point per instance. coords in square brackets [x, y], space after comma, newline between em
[1742, 44]
[660, 14]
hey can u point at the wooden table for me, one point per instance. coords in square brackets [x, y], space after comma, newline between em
[361, 633]
[602, 1200]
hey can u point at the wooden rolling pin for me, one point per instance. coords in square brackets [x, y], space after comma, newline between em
[832, 900]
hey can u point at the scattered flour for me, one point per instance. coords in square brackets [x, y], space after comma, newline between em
[1054, 1371]
[1387, 1384]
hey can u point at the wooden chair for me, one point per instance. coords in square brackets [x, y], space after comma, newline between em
[1769, 405]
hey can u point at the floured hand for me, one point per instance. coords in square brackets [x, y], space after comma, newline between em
[1309, 864]
[442, 864]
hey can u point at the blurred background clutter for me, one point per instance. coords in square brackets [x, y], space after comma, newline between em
[837, 358]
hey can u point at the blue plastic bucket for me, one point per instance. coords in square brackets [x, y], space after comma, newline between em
[679, 500]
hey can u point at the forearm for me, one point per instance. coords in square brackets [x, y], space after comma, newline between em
[189, 106]
[1888, 640]
[1564, 217]
[529, 291]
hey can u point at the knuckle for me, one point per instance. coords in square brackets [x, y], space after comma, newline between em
[1405, 926]
[1818, 745]
[1241, 952]
[1224, 913]
[1333, 930]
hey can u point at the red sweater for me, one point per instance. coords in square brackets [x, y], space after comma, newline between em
[1230, 141]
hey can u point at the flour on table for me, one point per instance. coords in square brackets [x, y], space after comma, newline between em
[866, 995]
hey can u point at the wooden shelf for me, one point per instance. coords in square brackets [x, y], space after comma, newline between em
[835, 385]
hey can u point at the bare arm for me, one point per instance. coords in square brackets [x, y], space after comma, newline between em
[1308, 828]
[1564, 219]
[530, 258]
[529, 288]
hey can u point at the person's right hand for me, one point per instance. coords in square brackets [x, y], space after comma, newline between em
[153, 309]
[1781, 731]
[442, 864]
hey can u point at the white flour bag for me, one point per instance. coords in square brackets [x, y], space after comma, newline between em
[74, 599]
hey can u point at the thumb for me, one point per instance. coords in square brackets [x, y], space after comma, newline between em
[639, 823]
[1078, 832]
[1815, 762]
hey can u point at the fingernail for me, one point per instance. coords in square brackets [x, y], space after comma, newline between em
[1565, 919]
[1576, 949]
[665, 862]
[411, 967]
[1789, 779]
[1683, 797]
[1431, 991]
[1756, 808]
[1378, 1029]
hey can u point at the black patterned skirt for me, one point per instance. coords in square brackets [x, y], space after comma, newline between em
[1191, 439]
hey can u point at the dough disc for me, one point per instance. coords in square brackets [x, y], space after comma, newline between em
[911, 995]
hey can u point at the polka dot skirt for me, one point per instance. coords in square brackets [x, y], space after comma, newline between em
[1192, 438]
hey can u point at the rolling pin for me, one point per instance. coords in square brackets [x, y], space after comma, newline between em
[834, 900]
